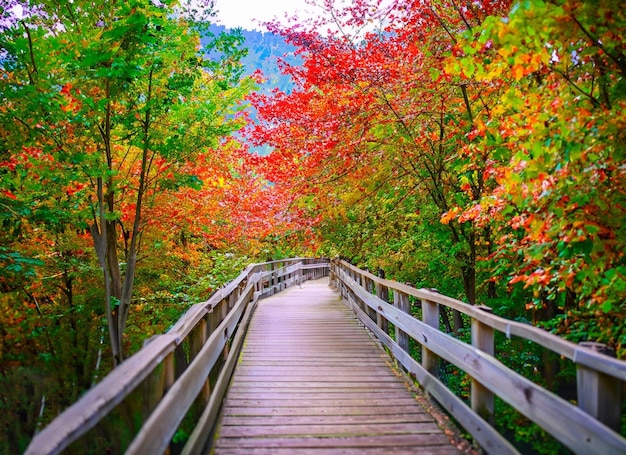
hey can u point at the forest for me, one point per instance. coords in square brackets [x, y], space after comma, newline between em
[475, 147]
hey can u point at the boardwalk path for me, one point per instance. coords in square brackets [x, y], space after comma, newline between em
[311, 380]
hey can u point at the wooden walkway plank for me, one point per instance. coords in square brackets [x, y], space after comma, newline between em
[311, 380]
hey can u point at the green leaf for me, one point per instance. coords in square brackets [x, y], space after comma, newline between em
[434, 73]
[585, 247]
[468, 50]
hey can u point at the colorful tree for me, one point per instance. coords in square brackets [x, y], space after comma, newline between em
[113, 157]
[375, 113]
[112, 100]
[557, 158]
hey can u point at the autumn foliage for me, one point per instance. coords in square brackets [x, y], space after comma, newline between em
[124, 195]
[472, 147]
[466, 142]
[476, 147]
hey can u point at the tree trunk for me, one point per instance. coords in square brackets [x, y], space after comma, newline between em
[103, 233]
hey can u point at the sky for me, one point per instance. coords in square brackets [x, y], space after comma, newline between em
[249, 14]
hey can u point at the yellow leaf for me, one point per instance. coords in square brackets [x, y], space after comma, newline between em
[449, 216]
[518, 72]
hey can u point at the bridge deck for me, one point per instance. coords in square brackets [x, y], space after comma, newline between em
[311, 380]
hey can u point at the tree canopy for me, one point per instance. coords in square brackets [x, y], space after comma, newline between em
[473, 147]
[116, 153]
[484, 140]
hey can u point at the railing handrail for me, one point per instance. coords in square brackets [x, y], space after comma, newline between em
[575, 427]
[210, 327]
[578, 354]
[234, 302]
[196, 312]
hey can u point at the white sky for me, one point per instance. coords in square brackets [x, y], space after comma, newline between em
[250, 14]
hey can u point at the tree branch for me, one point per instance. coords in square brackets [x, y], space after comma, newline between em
[467, 104]
[620, 62]
[32, 55]
[594, 100]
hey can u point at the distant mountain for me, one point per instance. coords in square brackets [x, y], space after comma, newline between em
[264, 50]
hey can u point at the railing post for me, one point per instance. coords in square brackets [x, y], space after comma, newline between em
[482, 399]
[401, 301]
[198, 338]
[232, 298]
[169, 372]
[383, 294]
[158, 385]
[287, 279]
[430, 316]
[272, 280]
[284, 279]
[180, 361]
[344, 287]
[599, 395]
[213, 319]
[338, 280]
[368, 284]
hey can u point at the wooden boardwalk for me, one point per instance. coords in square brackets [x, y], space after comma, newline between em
[310, 379]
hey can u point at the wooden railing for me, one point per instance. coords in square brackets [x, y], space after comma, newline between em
[168, 395]
[173, 387]
[590, 427]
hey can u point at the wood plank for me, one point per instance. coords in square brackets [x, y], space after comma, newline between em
[316, 410]
[320, 370]
[240, 382]
[317, 396]
[364, 380]
[320, 377]
[288, 402]
[440, 450]
[310, 377]
[364, 429]
[279, 353]
[415, 440]
[303, 361]
[418, 417]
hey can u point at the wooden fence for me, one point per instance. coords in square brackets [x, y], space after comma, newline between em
[384, 306]
[172, 389]
[167, 396]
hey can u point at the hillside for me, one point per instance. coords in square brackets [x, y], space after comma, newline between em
[264, 52]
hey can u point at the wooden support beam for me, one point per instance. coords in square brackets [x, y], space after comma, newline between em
[430, 316]
[382, 292]
[401, 301]
[482, 399]
[600, 394]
